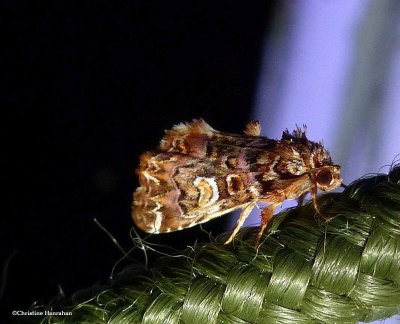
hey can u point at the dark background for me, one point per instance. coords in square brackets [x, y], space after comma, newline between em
[88, 87]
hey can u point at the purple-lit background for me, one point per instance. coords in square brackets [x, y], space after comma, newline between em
[335, 66]
[89, 86]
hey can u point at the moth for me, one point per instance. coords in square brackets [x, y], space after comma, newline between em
[199, 173]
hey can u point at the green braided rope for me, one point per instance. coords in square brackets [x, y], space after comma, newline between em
[306, 271]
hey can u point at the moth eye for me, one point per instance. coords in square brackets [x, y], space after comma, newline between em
[324, 178]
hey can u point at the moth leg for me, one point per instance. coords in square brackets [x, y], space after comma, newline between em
[300, 200]
[314, 199]
[323, 215]
[253, 128]
[243, 215]
[266, 215]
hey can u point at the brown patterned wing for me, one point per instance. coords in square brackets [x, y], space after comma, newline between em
[179, 191]
[199, 174]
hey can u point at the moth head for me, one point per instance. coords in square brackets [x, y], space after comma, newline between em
[328, 177]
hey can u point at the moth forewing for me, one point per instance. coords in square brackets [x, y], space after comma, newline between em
[198, 173]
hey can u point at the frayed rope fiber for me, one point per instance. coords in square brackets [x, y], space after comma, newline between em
[307, 270]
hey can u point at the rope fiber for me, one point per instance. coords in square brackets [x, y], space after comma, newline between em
[343, 267]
